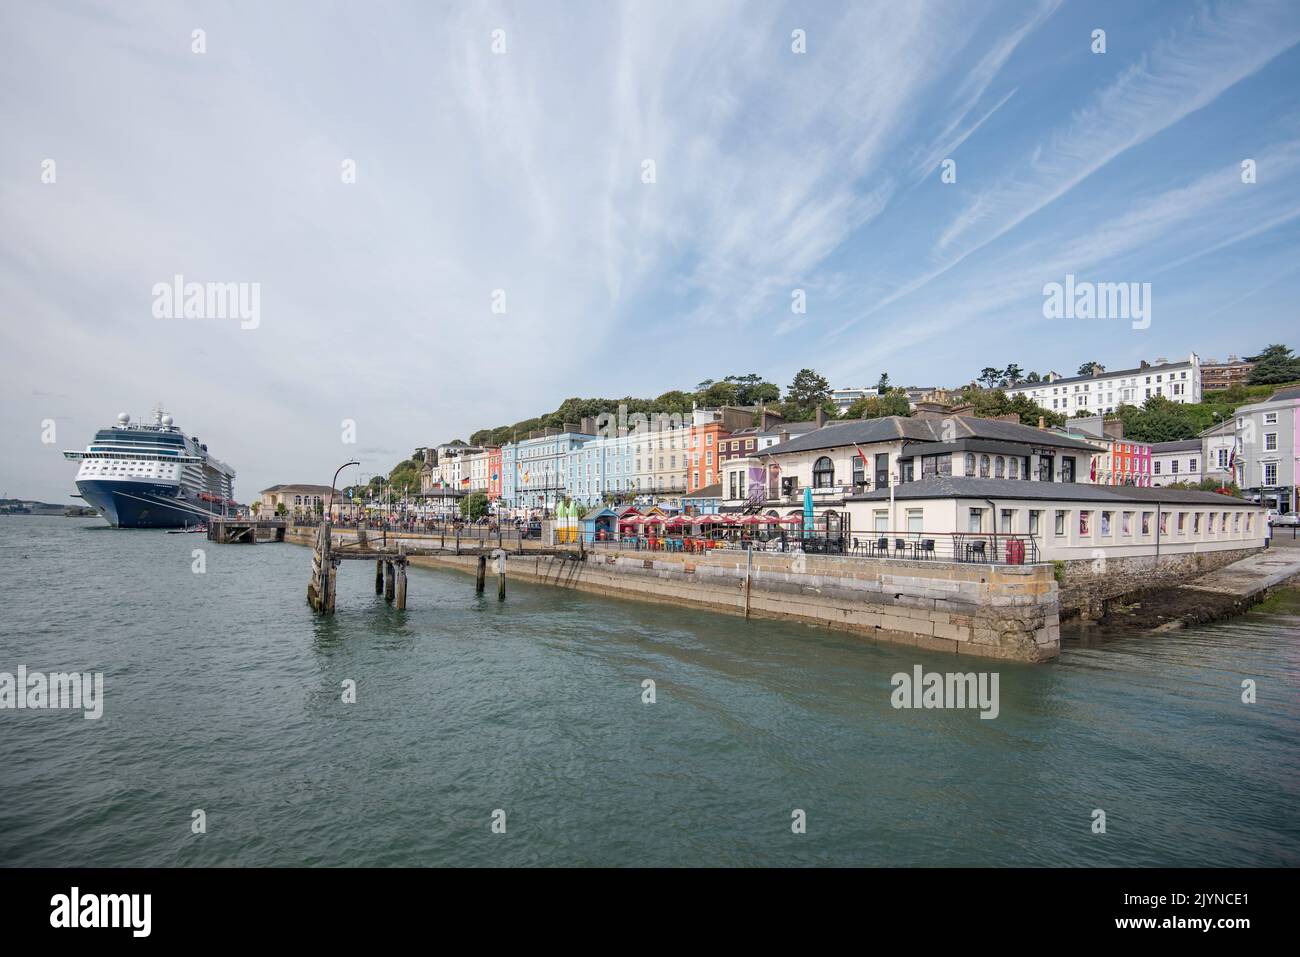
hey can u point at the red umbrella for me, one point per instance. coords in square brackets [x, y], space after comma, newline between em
[709, 519]
[655, 520]
[791, 520]
[753, 520]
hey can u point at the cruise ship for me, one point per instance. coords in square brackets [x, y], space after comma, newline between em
[152, 475]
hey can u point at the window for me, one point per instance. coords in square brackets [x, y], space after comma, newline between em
[970, 464]
[1164, 523]
[1270, 441]
[823, 473]
[1034, 518]
[906, 469]
[1105, 523]
[1085, 523]
[999, 467]
[984, 466]
[1013, 468]
[914, 520]
[1191, 465]
[1126, 523]
[880, 518]
[882, 470]
[1270, 418]
[1236, 522]
[1270, 473]
[1046, 466]
[975, 521]
[1182, 523]
[1173, 466]
[1223, 458]
[1067, 469]
[1196, 523]
[1146, 523]
[1156, 468]
[1007, 520]
[859, 472]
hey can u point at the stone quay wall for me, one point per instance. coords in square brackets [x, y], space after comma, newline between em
[988, 611]
[1086, 586]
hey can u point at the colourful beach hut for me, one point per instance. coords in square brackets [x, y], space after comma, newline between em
[600, 524]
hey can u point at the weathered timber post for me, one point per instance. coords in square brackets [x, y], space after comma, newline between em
[379, 577]
[390, 581]
[330, 586]
[500, 556]
[749, 573]
[401, 584]
[482, 574]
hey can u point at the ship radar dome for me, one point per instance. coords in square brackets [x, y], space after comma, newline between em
[123, 418]
[166, 420]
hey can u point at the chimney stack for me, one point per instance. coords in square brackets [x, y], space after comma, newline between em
[821, 416]
[1042, 422]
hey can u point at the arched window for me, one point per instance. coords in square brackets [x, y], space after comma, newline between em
[823, 473]
[970, 464]
[999, 467]
[1015, 468]
[984, 466]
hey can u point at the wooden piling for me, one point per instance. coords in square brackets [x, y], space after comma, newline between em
[330, 584]
[401, 585]
[482, 575]
[379, 577]
[749, 574]
[390, 582]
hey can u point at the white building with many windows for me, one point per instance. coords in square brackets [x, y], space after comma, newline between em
[1267, 443]
[1107, 391]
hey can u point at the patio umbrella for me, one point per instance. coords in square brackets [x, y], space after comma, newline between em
[753, 520]
[791, 520]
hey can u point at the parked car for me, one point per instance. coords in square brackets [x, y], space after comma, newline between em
[1289, 520]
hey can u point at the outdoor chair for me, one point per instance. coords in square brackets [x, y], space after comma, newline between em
[927, 548]
[882, 546]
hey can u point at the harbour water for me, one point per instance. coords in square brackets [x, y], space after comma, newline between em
[223, 693]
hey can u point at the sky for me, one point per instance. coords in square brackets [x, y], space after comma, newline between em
[455, 216]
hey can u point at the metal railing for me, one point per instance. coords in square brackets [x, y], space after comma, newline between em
[968, 547]
[987, 548]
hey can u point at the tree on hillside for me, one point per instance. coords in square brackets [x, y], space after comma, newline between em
[753, 389]
[878, 406]
[1091, 368]
[994, 402]
[1275, 365]
[808, 390]
[1013, 373]
[720, 393]
[1033, 377]
[989, 376]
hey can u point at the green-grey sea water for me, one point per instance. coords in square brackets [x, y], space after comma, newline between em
[223, 693]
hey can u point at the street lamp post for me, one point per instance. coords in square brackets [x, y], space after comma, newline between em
[329, 506]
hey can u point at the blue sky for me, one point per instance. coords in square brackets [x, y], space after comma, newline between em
[522, 171]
